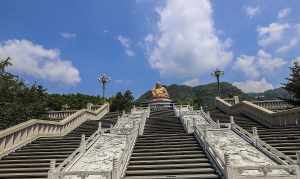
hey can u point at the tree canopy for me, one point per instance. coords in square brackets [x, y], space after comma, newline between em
[20, 101]
[293, 81]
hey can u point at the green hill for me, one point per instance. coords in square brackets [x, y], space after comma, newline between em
[199, 95]
[278, 93]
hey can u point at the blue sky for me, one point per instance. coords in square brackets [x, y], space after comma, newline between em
[65, 45]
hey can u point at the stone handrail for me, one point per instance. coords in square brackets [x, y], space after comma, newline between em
[119, 164]
[270, 151]
[60, 114]
[238, 172]
[274, 104]
[84, 146]
[22, 134]
[290, 117]
[200, 134]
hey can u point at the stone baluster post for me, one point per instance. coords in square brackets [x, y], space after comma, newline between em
[218, 124]
[83, 144]
[236, 99]
[89, 106]
[298, 157]
[99, 127]
[232, 120]
[255, 134]
[115, 172]
[52, 170]
[201, 108]
[208, 114]
[227, 166]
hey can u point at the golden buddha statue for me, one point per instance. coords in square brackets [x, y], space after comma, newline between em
[159, 92]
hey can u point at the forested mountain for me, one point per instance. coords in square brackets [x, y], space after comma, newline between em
[198, 95]
[277, 93]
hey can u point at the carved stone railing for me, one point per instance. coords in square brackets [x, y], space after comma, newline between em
[229, 171]
[24, 133]
[285, 118]
[288, 167]
[119, 164]
[60, 114]
[267, 149]
[274, 105]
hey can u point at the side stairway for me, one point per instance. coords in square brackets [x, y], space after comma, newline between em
[286, 140]
[32, 160]
[166, 151]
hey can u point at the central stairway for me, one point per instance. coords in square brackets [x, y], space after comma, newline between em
[166, 151]
[32, 160]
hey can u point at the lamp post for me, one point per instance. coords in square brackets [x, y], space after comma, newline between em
[104, 79]
[218, 73]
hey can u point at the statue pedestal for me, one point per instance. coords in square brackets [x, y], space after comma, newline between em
[161, 103]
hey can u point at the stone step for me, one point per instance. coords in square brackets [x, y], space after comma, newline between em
[150, 141]
[166, 146]
[167, 157]
[16, 161]
[169, 166]
[163, 135]
[168, 161]
[55, 156]
[166, 143]
[25, 170]
[50, 146]
[24, 175]
[193, 148]
[181, 176]
[24, 165]
[166, 153]
[170, 171]
[50, 153]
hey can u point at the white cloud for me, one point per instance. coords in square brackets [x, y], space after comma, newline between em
[271, 34]
[192, 82]
[287, 47]
[255, 66]
[283, 13]
[187, 44]
[269, 63]
[252, 11]
[254, 86]
[68, 35]
[247, 64]
[35, 60]
[126, 43]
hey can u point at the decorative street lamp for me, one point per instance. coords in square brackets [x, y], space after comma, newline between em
[104, 79]
[218, 73]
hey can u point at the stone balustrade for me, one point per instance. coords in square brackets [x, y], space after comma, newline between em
[57, 115]
[274, 105]
[129, 126]
[283, 118]
[233, 149]
[22, 134]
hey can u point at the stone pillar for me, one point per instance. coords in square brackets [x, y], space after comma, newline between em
[83, 143]
[115, 172]
[232, 120]
[236, 99]
[89, 106]
[218, 124]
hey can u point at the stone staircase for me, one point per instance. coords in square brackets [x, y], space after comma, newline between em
[286, 140]
[166, 151]
[32, 160]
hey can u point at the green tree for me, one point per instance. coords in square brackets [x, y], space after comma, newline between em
[19, 102]
[122, 102]
[293, 81]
